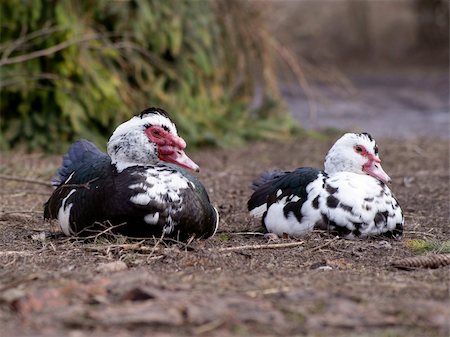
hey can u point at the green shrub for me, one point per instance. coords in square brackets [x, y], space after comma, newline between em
[78, 69]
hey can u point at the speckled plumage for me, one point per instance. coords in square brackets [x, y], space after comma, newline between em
[348, 203]
[130, 188]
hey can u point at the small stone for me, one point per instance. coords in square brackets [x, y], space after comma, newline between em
[111, 267]
[317, 265]
[383, 244]
[271, 237]
[407, 181]
[11, 295]
[41, 237]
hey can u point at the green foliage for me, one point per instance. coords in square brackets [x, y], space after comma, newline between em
[100, 62]
[423, 246]
[224, 237]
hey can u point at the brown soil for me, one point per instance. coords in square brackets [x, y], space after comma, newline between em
[51, 285]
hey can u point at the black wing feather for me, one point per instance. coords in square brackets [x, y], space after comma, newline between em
[294, 182]
[266, 177]
[80, 153]
[92, 176]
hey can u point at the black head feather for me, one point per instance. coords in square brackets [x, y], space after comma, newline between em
[367, 135]
[375, 148]
[153, 110]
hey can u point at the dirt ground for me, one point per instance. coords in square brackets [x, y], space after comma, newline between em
[51, 285]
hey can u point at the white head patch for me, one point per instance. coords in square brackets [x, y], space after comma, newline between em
[129, 144]
[342, 156]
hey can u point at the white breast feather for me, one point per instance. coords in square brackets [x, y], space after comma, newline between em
[162, 186]
[159, 183]
[366, 197]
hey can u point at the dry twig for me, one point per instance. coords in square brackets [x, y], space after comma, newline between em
[421, 233]
[98, 233]
[208, 327]
[324, 245]
[126, 246]
[269, 291]
[20, 212]
[85, 185]
[266, 246]
[25, 180]
[15, 252]
[247, 233]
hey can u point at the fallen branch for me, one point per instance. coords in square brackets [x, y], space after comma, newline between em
[266, 246]
[25, 180]
[126, 246]
[208, 327]
[269, 291]
[421, 233]
[20, 212]
[324, 245]
[246, 233]
[13, 252]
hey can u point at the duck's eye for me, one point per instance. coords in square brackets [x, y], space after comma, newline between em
[156, 133]
[358, 149]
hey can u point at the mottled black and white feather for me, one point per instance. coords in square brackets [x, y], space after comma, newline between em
[140, 198]
[346, 203]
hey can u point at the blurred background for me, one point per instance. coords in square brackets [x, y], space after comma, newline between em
[227, 71]
[379, 66]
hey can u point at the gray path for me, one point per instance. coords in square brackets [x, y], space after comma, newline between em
[396, 103]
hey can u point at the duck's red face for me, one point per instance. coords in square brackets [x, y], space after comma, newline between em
[373, 165]
[170, 147]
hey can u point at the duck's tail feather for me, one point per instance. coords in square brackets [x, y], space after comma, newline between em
[266, 177]
[262, 187]
[80, 152]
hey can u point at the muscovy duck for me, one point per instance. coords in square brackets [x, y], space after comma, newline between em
[349, 198]
[140, 186]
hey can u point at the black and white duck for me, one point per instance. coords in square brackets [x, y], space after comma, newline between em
[141, 187]
[350, 197]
